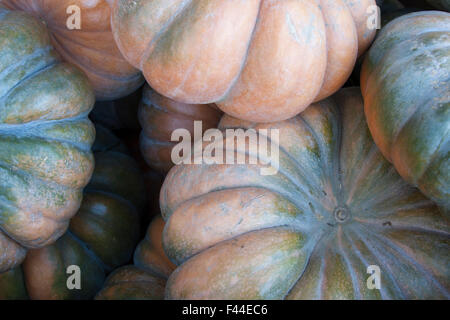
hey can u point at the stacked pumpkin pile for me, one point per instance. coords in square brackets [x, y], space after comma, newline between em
[361, 177]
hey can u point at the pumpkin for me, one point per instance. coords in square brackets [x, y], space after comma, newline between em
[160, 116]
[119, 114]
[103, 234]
[146, 279]
[334, 208]
[45, 138]
[91, 48]
[404, 81]
[259, 60]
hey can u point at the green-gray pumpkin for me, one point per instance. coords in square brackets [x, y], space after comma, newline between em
[334, 212]
[45, 138]
[101, 237]
[405, 82]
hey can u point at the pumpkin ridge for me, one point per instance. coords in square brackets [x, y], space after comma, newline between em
[400, 250]
[89, 251]
[362, 173]
[81, 65]
[343, 253]
[375, 252]
[399, 226]
[307, 263]
[440, 149]
[335, 182]
[25, 173]
[364, 261]
[24, 79]
[235, 81]
[158, 35]
[38, 54]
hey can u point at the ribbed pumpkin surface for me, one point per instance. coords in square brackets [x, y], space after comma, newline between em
[160, 117]
[91, 48]
[335, 207]
[406, 89]
[101, 236]
[259, 60]
[146, 279]
[45, 138]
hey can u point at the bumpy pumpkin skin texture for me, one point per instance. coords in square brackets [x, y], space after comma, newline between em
[103, 234]
[335, 207]
[160, 116]
[405, 85]
[91, 48]
[45, 138]
[146, 279]
[259, 60]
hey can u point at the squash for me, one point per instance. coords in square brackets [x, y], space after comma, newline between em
[103, 234]
[12, 285]
[334, 209]
[160, 116]
[146, 279]
[45, 138]
[91, 48]
[404, 82]
[259, 60]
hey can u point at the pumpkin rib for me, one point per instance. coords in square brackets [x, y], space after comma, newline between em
[82, 65]
[289, 225]
[380, 260]
[22, 172]
[153, 43]
[352, 271]
[294, 284]
[88, 250]
[334, 181]
[440, 150]
[38, 53]
[415, 263]
[360, 256]
[235, 81]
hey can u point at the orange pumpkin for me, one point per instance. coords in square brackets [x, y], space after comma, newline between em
[259, 60]
[335, 208]
[91, 48]
[160, 116]
[145, 279]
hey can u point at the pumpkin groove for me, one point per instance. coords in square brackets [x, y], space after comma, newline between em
[258, 60]
[45, 138]
[309, 231]
[91, 48]
[406, 99]
[101, 236]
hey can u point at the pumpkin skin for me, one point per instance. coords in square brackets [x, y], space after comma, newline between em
[12, 285]
[406, 100]
[45, 138]
[103, 234]
[91, 48]
[310, 231]
[160, 116]
[146, 279]
[258, 60]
